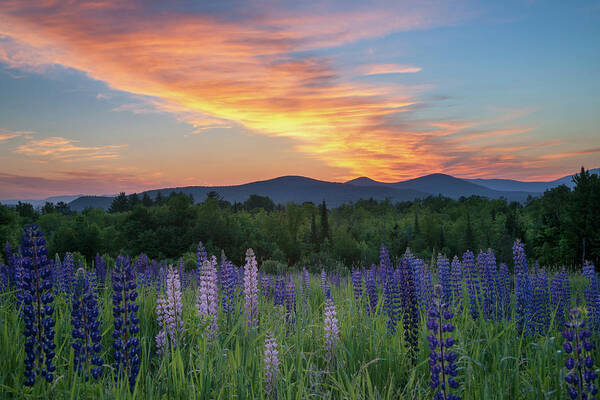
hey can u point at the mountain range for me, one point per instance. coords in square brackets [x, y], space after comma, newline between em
[301, 189]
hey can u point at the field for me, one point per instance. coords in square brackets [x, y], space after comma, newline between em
[509, 351]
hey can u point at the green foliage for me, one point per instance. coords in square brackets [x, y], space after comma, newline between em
[562, 227]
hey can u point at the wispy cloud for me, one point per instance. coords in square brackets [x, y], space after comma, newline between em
[59, 148]
[385, 69]
[6, 134]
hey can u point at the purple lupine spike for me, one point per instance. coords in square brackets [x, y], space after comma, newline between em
[445, 278]
[391, 302]
[491, 307]
[424, 284]
[279, 292]
[228, 285]
[592, 293]
[208, 298]
[86, 328]
[169, 310]
[541, 297]
[265, 284]
[409, 304]
[560, 297]
[580, 364]
[442, 358]
[100, 267]
[126, 344]
[305, 283]
[504, 290]
[271, 365]
[67, 274]
[201, 257]
[371, 289]
[472, 279]
[290, 301]
[325, 284]
[357, 283]
[523, 290]
[37, 310]
[330, 325]
[457, 285]
[251, 290]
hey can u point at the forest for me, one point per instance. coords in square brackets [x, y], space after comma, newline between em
[560, 228]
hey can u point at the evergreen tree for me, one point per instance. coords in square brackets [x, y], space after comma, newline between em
[147, 200]
[325, 234]
[469, 237]
[119, 204]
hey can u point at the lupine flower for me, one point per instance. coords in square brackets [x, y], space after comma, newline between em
[391, 301]
[265, 284]
[305, 283]
[486, 263]
[290, 301]
[208, 298]
[580, 364]
[168, 313]
[279, 292]
[228, 284]
[325, 285]
[408, 304]
[423, 283]
[251, 289]
[371, 288]
[100, 267]
[444, 277]
[441, 358]
[472, 279]
[67, 274]
[126, 344]
[201, 257]
[330, 325]
[37, 307]
[560, 297]
[541, 297]
[504, 289]
[86, 328]
[457, 287]
[271, 365]
[523, 290]
[357, 283]
[592, 293]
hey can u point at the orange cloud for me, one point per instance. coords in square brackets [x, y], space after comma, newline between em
[59, 148]
[216, 72]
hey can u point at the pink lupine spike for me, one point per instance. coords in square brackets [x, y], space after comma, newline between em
[208, 299]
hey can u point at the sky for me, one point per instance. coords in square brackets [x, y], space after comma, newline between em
[98, 97]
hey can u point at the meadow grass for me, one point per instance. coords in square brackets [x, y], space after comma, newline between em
[495, 361]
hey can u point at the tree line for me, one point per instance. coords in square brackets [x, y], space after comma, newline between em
[561, 227]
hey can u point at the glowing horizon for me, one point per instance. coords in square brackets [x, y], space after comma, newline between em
[107, 96]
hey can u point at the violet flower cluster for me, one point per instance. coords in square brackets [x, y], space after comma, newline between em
[371, 289]
[208, 297]
[408, 304]
[290, 301]
[456, 277]
[86, 328]
[325, 285]
[251, 289]
[330, 326]
[271, 365]
[126, 344]
[472, 280]
[228, 286]
[100, 267]
[168, 313]
[305, 283]
[442, 359]
[357, 283]
[36, 292]
[580, 364]
[444, 277]
[560, 294]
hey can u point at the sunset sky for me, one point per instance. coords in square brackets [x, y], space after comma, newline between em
[104, 96]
